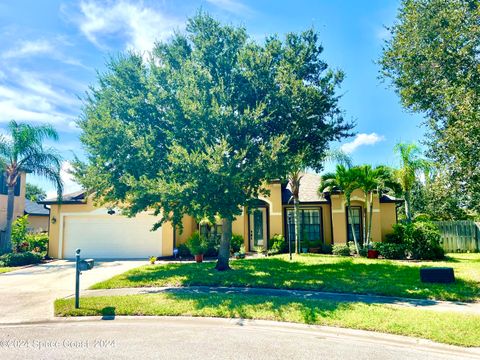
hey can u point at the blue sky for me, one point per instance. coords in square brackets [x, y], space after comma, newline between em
[50, 52]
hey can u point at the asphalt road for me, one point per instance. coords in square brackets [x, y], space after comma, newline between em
[204, 338]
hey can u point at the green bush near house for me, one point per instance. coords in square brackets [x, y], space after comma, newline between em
[197, 244]
[37, 242]
[341, 250]
[420, 241]
[183, 251]
[278, 245]
[236, 243]
[20, 259]
[391, 251]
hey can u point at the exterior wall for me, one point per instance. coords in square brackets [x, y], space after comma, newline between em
[388, 218]
[38, 223]
[19, 204]
[334, 220]
[384, 216]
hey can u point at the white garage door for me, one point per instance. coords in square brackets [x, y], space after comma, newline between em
[111, 237]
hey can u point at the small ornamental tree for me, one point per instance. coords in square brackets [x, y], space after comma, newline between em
[201, 127]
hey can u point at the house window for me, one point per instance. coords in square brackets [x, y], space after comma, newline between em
[310, 225]
[209, 231]
[356, 220]
[4, 187]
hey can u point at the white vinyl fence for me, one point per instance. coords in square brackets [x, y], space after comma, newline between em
[459, 236]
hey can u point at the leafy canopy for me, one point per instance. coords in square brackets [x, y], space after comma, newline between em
[207, 121]
[433, 62]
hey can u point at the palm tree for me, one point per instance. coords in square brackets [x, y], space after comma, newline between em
[371, 181]
[411, 165]
[22, 151]
[294, 179]
[345, 180]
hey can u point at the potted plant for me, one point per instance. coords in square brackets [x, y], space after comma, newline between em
[241, 253]
[152, 259]
[373, 253]
[197, 245]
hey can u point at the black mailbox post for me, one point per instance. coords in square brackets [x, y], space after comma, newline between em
[80, 265]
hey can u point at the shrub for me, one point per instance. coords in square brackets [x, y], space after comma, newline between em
[421, 239]
[183, 251]
[423, 242]
[37, 242]
[342, 250]
[236, 243]
[391, 250]
[212, 244]
[197, 244]
[326, 248]
[19, 233]
[20, 259]
[278, 245]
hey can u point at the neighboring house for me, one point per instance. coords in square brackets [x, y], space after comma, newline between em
[103, 233]
[38, 216]
[19, 202]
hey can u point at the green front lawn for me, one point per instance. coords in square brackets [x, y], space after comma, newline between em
[450, 328]
[315, 272]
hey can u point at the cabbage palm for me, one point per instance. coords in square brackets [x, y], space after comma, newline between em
[411, 165]
[345, 180]
[22, 151]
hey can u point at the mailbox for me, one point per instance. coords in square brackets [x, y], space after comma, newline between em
[80, 265]
[86, 264]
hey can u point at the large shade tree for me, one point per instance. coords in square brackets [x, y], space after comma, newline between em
[23, 151]
[202, 126]
[433, 62]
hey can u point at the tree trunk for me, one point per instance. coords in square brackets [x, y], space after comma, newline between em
[408, 215]
[350, 215]
[296, 221]
[8, 229]
[370, 220]
[224, 250]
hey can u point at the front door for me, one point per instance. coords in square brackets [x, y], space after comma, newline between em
[258, 228]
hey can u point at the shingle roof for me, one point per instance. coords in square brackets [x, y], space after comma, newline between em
[34, 208]
[76, 197]
[309, 184]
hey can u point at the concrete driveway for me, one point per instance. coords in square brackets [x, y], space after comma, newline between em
[27, 294]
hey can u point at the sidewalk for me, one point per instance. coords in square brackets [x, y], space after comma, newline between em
[424, 304]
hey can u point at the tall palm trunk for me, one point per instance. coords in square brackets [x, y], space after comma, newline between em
[408, 215]
[296, 221]
[8, 228]
[224, 250]
[369, 235]
[350, 215]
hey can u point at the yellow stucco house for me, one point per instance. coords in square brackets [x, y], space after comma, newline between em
[104, 233]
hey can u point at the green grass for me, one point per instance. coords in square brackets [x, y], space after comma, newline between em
[7, 269]
[451, 328]
[315, 272]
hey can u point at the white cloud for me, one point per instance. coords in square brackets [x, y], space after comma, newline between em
[232, 6]
[140, 26]
[69, 184]
[28, 48]
[360, 140]
[51, 48]
[28, 97]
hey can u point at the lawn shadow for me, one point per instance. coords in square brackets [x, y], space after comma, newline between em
[375, 277]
